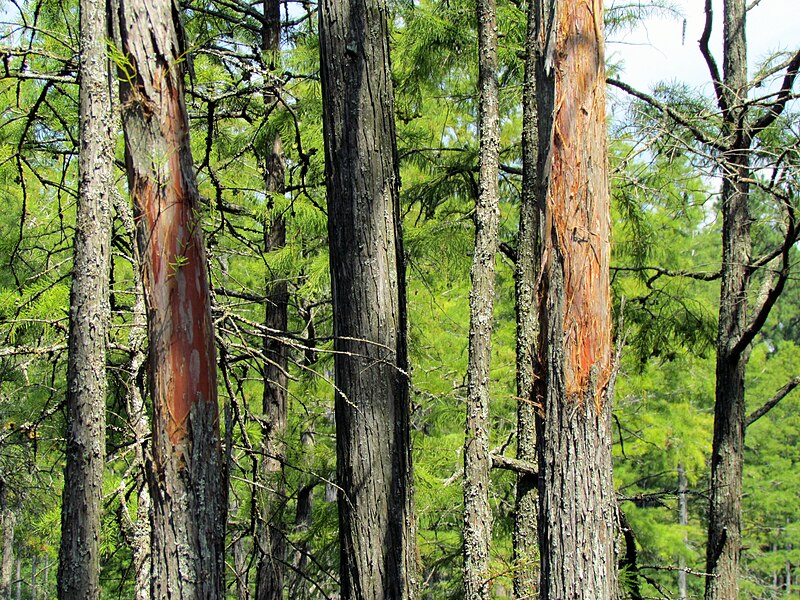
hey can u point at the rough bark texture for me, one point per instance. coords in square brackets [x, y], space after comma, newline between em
[377, 528]
[477, 461]
[526, 573]
[574, 364]
[137, 413]
[186, 484]
[7, 561]
[272, 542]
[79, 553]
[727, 457]
[272, 535]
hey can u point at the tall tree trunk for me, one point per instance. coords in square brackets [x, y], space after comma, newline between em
[272, 534]
[79, 553]
[7, 563]
[525, 538]
[185, 478]
[574, 364]
[377, 527]
[477, 462]
[727, 457]
[683, 520]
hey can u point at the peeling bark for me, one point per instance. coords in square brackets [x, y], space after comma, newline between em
[185, 477]
[574, 362]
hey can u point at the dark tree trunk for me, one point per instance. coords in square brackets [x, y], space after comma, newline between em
[477, 462]
[79, 553]
[574, 364]
[272, 535]
[727, 457]
[185, 478]
[377, 528]
[525, 539]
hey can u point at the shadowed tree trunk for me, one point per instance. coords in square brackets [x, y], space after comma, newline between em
[377, 528]
[574, 363]
[272, 534]
[477, 462]
[525, 545]
[185, 478]
[79, 552]
[727, 457]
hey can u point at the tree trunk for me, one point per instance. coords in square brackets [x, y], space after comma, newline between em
[79, 558]
[377, 527]
[525, 538]
[477, 461]
[574, 363]
[683, 520]
[185, 478]
[272, 534]
[7, 563]
[137, 413]
[727, 457]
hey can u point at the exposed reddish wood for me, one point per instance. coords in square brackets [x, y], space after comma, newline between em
[578, 209]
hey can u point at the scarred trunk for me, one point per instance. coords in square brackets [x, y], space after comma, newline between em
[376, 519]
[477, 462]
[574, 364]
[79, 553]
[185, 478]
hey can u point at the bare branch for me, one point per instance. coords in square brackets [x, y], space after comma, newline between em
[784, 95]
[522, 467]
[713, 69]
[772, 402]
[676, 116]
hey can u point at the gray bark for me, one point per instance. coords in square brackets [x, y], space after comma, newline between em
[377, 529]
[525, 539]
[727, 458]
[79, 559]
[7, 564]
[477, 461]
[185, 476]
[574, 360]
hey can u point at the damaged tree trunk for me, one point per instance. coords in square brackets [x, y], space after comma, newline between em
[185, 478]
[574, 363]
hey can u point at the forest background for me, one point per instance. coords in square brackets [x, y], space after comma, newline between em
[666, 254]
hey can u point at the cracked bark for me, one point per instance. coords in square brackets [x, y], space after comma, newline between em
[574, 358]
[185, 474]
[377, 530]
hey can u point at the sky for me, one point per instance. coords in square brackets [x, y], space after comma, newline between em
[658, 51]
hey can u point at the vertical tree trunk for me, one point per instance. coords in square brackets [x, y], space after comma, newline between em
[727, 457]
[377, 527]
[79, 558]
[7, 564]
[477, 462]
[683, 520]
[185, 478]
[137, 413]
[272, 535]
[574, 365]
[525, 538]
